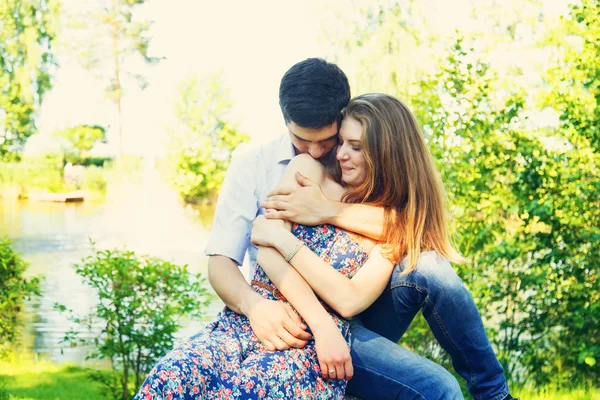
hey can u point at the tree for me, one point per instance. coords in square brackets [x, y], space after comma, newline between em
[202, 141]
[526, 212]
[111, 38]
[82, 138]
[573, 80]
[27, 31]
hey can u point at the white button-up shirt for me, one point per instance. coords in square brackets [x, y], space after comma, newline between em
[254, 171]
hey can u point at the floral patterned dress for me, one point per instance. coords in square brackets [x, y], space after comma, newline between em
[225, 360]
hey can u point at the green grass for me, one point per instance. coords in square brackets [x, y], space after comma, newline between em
[23, 378]
[26, 379]
[551, 394]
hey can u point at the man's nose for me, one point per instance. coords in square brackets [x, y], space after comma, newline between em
[315, 151]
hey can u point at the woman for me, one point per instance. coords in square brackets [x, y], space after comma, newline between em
[379, 140]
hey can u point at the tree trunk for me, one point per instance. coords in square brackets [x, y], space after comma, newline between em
[115, 48]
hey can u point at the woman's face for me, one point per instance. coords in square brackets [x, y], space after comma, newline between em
[350, 154]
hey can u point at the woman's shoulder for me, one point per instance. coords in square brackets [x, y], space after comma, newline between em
[316, 172]
[304, 162]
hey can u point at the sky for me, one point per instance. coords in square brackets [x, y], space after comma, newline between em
[251, 43]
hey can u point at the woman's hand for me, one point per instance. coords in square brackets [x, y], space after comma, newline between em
[264, 231]
[333, 353]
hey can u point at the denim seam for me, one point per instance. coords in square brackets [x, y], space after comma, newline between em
[502, 395]
[440, 323]
[390, 378]
[447, 336]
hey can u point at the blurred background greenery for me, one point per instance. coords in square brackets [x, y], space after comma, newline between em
[137, 105]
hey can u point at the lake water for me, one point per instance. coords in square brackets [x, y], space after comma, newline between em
[145, 217]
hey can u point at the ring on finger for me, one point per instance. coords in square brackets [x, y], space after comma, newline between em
[332, 372]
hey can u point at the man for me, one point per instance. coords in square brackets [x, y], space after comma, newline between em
[312, 94]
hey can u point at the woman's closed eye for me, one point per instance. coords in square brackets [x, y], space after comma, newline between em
[341, 143]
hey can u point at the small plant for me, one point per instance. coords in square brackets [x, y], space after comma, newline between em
[141, 303]
[14, 289]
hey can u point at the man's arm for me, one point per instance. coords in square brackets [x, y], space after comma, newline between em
[237, 207]
[308, 205]
[226, 278]
[275, 324]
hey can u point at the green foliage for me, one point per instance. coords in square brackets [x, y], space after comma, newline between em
[524, 197]
[94, 180]
[81, 138]
[87, 161]
[574, 77]
[40, 173]
[141, 303]
[202, 142]
[14, 289]
[527, 217]
[26, 37]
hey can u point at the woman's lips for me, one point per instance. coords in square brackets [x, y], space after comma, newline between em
[346, 169]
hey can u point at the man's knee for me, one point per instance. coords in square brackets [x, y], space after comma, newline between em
[433, 272]
[448, 387]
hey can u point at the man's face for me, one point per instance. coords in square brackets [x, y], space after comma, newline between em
[316, 142]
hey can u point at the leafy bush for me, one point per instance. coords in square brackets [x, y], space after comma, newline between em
[140, 308]
[14, 289]
[42, 173]
[87, 161]
[94, 180]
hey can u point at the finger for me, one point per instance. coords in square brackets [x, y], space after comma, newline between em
[281, 191]
[267, 343]
[275, 214]
[279, 344]
[291, 340]
[274, 205]
[294, 316]
[340, 370]
[324, 370]
[297, 331]
[332, 372]
[349, 369]
[278, 197]
[303, 180]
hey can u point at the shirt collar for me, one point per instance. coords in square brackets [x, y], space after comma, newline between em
[285, 150]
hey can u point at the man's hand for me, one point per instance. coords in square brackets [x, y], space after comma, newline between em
[276, 325]
[333, 354]
[305, 205]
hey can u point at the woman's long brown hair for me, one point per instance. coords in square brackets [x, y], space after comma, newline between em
[401, 178]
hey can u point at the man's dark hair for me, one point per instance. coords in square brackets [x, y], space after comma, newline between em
[313, 93]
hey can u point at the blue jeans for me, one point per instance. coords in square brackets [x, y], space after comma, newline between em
[385, 370]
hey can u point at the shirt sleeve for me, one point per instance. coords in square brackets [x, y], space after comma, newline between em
[237, 206]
